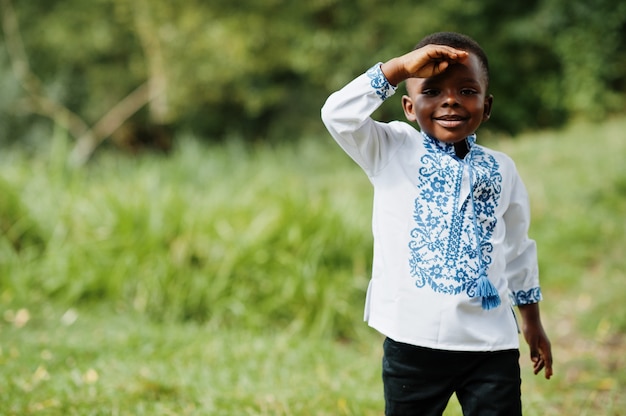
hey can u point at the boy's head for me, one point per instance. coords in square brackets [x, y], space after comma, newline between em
[451, 105]
[458, 41]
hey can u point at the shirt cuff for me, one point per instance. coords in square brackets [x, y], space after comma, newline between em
[379, 82]
[526, 297]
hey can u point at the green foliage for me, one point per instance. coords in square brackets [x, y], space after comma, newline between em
[253, 236]
[17, 227]
[227, 235]
[263, 69]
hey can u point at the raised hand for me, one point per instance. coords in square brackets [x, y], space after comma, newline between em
[425, 62]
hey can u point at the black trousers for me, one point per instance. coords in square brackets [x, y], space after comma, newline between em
[420, 381]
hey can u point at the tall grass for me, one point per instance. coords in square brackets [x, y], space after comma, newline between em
[255, 236]
[232, 235]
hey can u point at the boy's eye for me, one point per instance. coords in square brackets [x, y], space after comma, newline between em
[430, 92]
[468, 91]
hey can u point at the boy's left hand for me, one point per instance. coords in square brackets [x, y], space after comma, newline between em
[540, 351]
[538, 342]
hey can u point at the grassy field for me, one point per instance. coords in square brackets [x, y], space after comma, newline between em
[230, 280]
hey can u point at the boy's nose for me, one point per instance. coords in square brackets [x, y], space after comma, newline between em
[450, 99]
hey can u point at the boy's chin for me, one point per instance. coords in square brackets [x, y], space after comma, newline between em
[447, 138]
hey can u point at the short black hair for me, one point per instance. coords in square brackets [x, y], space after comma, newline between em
[457, 41]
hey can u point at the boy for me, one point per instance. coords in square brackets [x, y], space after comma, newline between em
[450, 222]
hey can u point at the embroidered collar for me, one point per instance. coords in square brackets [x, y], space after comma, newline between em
[449, 147]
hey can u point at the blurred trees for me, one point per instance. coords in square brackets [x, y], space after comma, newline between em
[136, 70]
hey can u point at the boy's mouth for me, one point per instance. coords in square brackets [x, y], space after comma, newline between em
[450, 120]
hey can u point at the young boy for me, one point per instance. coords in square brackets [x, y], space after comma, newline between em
[450, 222]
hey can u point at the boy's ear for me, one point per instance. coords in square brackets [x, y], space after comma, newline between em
[409, 109]
[487, 108]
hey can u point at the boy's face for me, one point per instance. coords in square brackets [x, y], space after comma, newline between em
[449, 106]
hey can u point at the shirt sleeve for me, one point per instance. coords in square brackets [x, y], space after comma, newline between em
[347, 116]
[522, 270]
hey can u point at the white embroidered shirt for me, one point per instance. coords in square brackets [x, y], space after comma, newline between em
[438, 223]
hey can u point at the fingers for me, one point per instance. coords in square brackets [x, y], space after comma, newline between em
[548, 363]
[538, 364]
[542, 359]
[439, 67]
[545, 354]
[440, 57]
[541, 364]
[447, 53]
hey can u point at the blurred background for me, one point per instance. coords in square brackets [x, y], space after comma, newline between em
[180, 235]
[261, 70]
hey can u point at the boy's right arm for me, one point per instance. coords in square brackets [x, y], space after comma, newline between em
[347, 112]
[347, 116]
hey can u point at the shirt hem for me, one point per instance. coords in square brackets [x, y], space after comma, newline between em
[480, 347]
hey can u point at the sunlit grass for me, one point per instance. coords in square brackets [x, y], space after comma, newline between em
[102, 362]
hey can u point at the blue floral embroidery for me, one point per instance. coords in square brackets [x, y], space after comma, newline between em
[526, 297]
[379, 82]
[446, 240]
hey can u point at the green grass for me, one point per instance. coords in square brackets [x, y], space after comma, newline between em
[104, 363]
[101, 362]
[229, 280]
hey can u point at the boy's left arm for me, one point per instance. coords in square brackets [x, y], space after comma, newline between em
[523, 276]
[535, 335]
